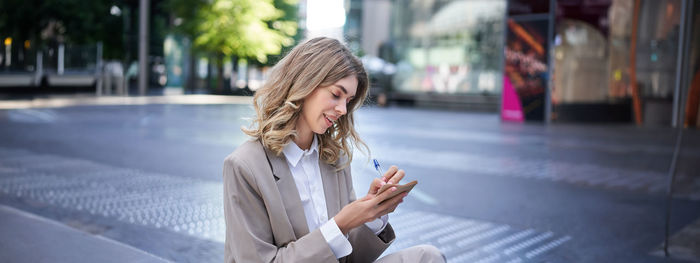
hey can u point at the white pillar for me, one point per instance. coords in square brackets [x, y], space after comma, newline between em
[143, 46]
[61, 50]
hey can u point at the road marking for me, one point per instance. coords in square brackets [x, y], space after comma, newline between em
[423, 197]
[527, 243]
[509, 239]
[442, 231]
[547, 247]
[465, 256]
[465, 232]
[33, 116]
[490, 233]
[489, 259]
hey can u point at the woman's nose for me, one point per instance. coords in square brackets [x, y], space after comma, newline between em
[341, 108]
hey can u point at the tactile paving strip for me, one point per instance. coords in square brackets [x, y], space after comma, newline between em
[194, 207]
[180, 204]
[464, 240]
[587, 174]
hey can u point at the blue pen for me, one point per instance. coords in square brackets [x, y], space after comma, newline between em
[378, 168]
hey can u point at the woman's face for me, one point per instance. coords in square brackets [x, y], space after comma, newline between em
[325, 105]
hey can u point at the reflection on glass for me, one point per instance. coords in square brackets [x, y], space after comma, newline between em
[580, 63]
[447, 46]
[527, 7]
[592, 55]
[692, 118]
[657, 48]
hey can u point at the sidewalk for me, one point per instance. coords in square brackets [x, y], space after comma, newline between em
[25, 237]
[68, 101]
[684, 244]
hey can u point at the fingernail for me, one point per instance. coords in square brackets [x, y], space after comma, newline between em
[393, 189]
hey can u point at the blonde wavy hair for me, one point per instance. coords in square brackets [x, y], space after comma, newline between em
[318, 62]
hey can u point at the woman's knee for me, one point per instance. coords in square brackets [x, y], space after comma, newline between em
[430, 253]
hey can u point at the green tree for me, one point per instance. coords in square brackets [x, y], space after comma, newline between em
[251, 29]
[291, 13]
[63, 21]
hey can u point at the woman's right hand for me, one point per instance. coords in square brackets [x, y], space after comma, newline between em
[391, 176]
[367, 209]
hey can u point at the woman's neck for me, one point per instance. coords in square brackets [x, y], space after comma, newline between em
[304, 137]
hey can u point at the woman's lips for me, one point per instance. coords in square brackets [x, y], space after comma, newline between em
[328, 121]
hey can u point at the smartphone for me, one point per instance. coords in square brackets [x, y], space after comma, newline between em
[399, 188]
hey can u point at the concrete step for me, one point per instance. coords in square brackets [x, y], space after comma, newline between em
[26, 237]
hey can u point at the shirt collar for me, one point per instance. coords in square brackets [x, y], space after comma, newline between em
[294, 153]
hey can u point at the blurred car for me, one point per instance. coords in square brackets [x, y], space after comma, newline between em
[157, 76]
[380, 74]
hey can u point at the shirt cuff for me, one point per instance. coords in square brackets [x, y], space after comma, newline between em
[378, 225]
[336, 240]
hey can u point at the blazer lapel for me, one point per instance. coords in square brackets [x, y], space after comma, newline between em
[330, 187]
[289, 194]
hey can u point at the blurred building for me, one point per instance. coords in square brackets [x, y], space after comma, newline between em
[58, 46]
[440, 53]
[542, 60]
[602, 60]
[623, 57]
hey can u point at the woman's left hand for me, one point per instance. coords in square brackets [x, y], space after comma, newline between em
[391, 176]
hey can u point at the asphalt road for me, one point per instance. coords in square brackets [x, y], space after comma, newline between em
[150, 176]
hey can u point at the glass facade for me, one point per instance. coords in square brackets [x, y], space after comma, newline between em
[591, 73]
[564, 60]
[446, 47]
[616, 61]
[692, 107]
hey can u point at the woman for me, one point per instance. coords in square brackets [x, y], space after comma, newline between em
[288, 194]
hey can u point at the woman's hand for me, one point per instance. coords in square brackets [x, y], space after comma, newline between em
[391, 176]
[367, 209]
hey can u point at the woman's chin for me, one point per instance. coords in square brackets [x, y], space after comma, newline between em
[320, 130]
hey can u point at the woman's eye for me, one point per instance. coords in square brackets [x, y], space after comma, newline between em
[335, 96]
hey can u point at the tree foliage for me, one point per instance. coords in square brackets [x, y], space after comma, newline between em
[67, 21]
[240, 28]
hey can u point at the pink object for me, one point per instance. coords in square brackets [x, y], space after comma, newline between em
[511, 110]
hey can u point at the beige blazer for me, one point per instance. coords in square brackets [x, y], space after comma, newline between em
[265, 219]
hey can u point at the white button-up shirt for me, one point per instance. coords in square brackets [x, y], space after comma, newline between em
[307, 175]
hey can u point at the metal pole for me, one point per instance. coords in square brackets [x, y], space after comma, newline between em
[678, 117]
[39, 73]
[503, 58]
[8, 53]
[636, 100]
[99, 76]
[143, 46]
[61, 50]
[684, 25]
[550, 62]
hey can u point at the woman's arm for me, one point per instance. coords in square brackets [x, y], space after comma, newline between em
[249, 231]
[367, 246]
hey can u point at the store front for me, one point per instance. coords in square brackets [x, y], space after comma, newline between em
[446, 51]
[609, 61]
